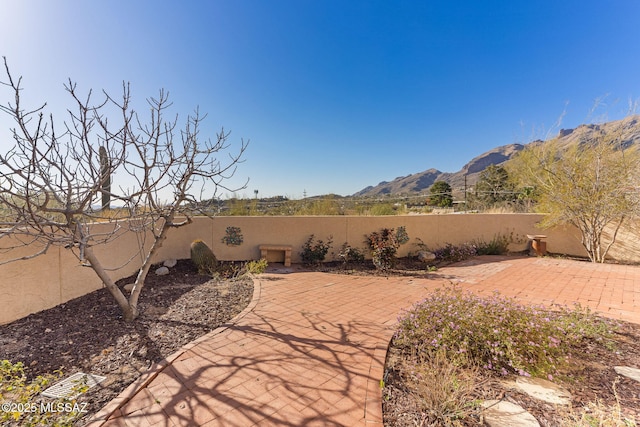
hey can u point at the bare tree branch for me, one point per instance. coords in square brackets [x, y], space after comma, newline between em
[50, 182]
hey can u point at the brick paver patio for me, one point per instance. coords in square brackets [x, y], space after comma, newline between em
[310, 348]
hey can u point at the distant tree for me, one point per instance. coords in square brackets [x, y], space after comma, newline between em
[527, 198]
[592, 186]
[56, 173]
[440, 194]
[494, 186]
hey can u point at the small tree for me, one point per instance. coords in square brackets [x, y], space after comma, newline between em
[494, 186]
[591, 185]
[440, 194]
[53, 177]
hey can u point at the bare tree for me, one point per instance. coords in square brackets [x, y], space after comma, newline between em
[52, 179]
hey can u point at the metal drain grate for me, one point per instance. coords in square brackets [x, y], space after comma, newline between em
[64, 388]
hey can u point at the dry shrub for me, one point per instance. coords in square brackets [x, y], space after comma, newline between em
[597, 414]
[444, 391]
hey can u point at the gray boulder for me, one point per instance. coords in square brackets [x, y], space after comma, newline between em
[426, 256]
[170, 263]
[162, 271]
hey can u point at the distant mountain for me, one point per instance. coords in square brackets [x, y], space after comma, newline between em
[420, 182]
[629, 129]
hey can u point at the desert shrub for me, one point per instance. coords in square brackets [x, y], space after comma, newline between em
[350, 255]
[495, 333]
[22, 404]
[453, 253]
[328, 205]
[580, 323]
[444, 391]
[384, 245]
[383, 209]
[256, 267]
[203, 258]
[314, 252]
[499, 245]
[597, 414]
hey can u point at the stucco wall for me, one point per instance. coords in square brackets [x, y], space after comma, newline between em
[30, 286]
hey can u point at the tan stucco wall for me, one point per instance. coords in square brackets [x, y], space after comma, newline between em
[30, 286]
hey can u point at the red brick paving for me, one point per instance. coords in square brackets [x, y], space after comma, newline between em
[310, 348]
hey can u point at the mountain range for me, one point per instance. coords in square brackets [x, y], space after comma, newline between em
[420, 182]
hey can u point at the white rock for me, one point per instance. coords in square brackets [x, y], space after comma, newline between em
[499, 413]
[129, 287]
[633, 373]
[544, 390]
[170, 263]
[162, 271]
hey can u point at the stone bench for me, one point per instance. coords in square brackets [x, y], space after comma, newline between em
[264, 250]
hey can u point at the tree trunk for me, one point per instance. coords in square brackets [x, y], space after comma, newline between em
[146, 265]
[129, 312]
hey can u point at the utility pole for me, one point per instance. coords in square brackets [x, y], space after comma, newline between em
[465, 193]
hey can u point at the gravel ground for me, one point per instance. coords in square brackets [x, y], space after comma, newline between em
[87, 334]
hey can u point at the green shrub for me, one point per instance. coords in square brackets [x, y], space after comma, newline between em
[350, 255]
[494, 332]
[314, 252]
[383, 209]
[203, 258]
[580, 323]
[256, 267]
[23, 405]
[384, 246]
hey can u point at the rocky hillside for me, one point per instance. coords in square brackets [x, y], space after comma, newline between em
[629, 134]
[420, 182]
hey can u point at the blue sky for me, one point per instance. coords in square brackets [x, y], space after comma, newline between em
[336, 95]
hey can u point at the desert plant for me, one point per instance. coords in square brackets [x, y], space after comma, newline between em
[203, 258]
[444, 391]
[580, 324]
[256, 267]
[314, 252]
[22, 406]
[455, 253]
[494, 332]
[597, 414]
[384, 246]
[349, 254]
[383, 209]
[499, 245]
[327, 205]
[105, 175]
